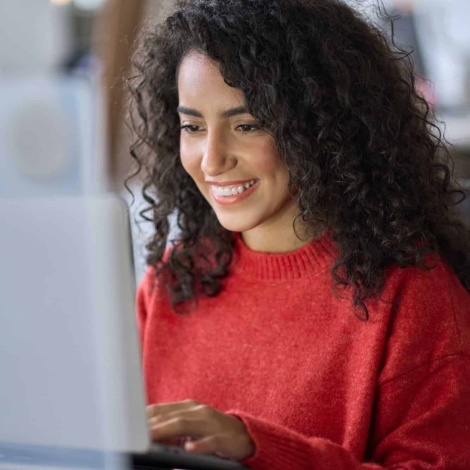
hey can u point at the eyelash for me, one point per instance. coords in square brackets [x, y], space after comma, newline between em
[189, 126]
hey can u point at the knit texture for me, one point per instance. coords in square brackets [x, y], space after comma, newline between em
[316, 387]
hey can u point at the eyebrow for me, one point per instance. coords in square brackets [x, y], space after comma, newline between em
[226, 114]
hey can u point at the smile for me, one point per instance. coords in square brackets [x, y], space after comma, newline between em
[227, 195]
[232, 190]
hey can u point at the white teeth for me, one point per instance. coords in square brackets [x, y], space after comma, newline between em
[224, 191]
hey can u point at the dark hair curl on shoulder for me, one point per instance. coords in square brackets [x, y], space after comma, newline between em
[364, 154]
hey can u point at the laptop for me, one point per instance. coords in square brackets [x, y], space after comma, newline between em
[72, 391]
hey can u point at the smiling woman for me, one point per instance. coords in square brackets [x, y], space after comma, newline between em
[313, 311]
[222, 148]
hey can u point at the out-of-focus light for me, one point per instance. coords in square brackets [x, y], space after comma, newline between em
[60, 2]
[88, 4]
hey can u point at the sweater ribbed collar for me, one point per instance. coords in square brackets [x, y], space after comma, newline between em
[304, 262]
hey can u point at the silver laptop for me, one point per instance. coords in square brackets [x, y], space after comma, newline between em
[71, 391]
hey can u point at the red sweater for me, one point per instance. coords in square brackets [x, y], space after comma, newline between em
[316, 388]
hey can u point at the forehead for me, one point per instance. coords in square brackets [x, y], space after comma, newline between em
[199, 80]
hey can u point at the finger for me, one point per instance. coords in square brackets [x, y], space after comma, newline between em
[163, 408]
[174, 442]
[208, 445]
[201, 413]
[198, 412]
[180, 427]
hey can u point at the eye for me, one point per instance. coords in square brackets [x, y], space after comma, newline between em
[190, 128]
[247, 128]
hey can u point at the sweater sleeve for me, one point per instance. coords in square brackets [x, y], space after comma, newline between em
[421, 409]
[428, 427]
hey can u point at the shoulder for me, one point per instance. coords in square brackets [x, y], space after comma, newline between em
[436, 288]
[149, 280]
[429, 317]
[151, 285]
[437, 267]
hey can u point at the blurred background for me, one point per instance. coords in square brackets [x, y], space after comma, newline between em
[63, 65]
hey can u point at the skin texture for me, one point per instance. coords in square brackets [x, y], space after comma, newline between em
[205, 429]
[219, 149]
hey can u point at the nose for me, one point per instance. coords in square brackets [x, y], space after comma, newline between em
[216, 158]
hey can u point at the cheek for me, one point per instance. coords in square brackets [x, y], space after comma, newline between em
[269, 162]
[191, 163]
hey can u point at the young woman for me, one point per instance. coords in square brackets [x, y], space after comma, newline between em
[313, 311]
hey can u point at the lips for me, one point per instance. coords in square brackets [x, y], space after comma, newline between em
[232, 183]
[217, 192]
[232, 190]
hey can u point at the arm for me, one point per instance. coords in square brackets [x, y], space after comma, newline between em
[421, 409]
[421, 421]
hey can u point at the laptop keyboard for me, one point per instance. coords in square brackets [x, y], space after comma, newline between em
[26, 455]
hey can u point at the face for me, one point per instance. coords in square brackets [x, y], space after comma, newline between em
[232, 160]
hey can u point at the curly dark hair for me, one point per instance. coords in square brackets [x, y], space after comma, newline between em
[366, 160]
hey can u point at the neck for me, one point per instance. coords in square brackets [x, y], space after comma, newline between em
[264, 239]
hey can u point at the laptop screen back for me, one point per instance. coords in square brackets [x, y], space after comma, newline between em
[70, 363]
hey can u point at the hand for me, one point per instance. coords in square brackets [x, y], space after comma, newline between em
[213, 432]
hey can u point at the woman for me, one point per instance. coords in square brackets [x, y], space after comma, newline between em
[313, 311]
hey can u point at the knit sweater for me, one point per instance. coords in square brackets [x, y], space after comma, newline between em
[316, 387]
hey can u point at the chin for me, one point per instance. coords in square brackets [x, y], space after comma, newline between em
[236, 224]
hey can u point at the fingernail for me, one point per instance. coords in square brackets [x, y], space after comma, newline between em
[189, 446]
